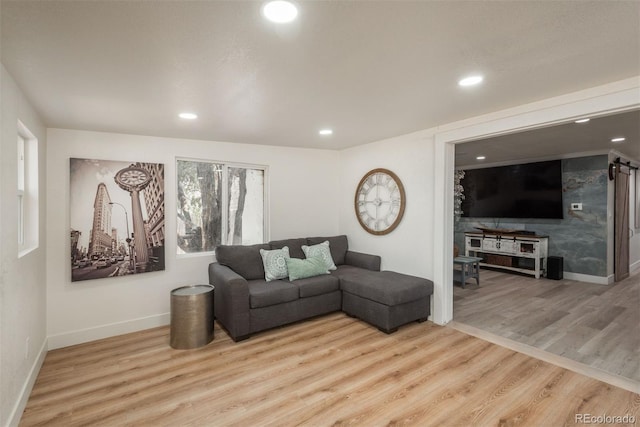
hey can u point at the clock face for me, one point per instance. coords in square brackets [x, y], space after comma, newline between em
[132, 178]
[380, 201]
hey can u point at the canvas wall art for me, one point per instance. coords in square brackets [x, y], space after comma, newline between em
[116, 218]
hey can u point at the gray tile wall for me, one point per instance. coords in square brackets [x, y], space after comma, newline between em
[581, 237]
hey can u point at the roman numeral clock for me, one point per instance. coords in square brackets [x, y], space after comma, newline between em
[380, 201]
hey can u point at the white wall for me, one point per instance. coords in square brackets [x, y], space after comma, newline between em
[302, 201]
[22, 280]
[408, 248]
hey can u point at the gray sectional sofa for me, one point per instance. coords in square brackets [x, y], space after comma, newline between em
[245, 303]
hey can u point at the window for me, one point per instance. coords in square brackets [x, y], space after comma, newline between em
[21, 169]
[219, 203]
[27, 190]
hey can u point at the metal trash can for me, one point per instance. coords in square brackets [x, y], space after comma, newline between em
[191, 316]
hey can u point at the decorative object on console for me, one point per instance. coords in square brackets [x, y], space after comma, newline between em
[503, 231]
[458, 194]
[379, 201]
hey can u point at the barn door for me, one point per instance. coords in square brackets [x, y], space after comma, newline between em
[621, 223]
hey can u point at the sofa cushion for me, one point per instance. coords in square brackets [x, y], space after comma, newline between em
[386, 287]
[345, 269]
[244, 260]
[294, 245]
[317, 285]
[264, 294]
[321, 250]
[337, 244]
[303, 268]
[275, 263]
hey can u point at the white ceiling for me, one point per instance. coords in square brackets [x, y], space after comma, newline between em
[593, 137]
[368, 69]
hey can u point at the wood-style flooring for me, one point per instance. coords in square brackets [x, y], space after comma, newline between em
[595, 325]
[331, 370]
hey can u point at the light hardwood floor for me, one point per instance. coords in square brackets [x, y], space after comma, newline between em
[595, 325]
[332, 370]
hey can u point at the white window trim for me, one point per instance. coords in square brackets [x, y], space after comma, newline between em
[20, 188]
[28, 233]
[225, 195]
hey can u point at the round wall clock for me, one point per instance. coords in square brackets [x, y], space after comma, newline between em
[380, 201]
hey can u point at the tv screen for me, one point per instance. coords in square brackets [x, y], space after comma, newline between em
[531, 190]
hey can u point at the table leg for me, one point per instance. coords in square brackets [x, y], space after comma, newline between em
[463, 275]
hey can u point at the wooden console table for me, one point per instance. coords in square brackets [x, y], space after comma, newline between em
[516, 252]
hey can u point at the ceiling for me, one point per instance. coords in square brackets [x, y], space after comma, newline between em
[367, 69]
[593, 137]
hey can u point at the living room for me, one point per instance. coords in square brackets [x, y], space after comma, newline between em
[310, 190]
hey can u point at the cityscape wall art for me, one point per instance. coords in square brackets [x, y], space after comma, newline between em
[116, 218]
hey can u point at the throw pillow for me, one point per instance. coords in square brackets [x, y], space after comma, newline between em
[320, 250]
[303, 268]
[275, 264]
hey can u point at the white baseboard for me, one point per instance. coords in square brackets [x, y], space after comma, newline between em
[105, 331]
[600, 280]
[25, 392]
[635, 266]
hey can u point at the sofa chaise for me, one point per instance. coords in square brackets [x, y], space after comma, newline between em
[248, 301]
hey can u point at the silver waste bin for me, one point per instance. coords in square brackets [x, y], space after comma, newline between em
[191, 316]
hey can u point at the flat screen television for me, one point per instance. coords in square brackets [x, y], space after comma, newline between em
[530, 190]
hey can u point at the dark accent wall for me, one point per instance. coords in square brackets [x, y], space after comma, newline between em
[581, 236]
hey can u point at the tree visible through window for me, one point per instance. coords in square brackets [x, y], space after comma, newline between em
[218, 204]
[27, 190]
[21, 172]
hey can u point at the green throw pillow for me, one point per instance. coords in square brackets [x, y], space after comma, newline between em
[320, 250]
[275, 263]
[303, 268]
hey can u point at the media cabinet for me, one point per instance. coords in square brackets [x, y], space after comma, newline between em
[516, 252]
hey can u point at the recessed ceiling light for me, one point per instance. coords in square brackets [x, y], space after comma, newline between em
[280, 11]
[582, 120]
[480, 158]
[188, 116]
[618, 139]
[325, 132]
[471, 81]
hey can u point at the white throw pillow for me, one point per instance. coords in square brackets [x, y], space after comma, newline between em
[275, 263]
[320, 250]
